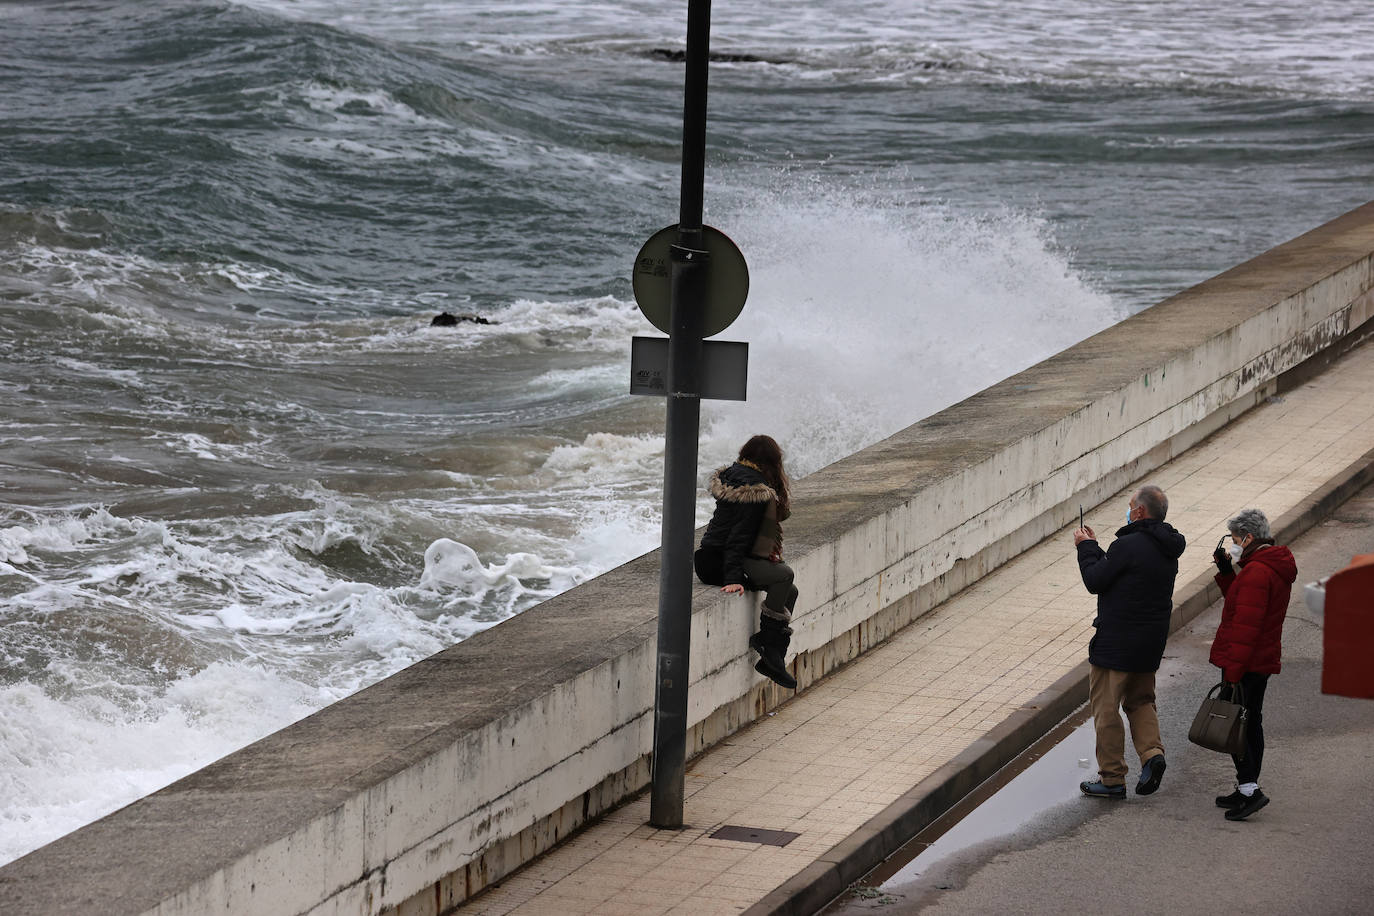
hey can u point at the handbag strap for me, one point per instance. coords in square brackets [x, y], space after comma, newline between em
[1237, 692]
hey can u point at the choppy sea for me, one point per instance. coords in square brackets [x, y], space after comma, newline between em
[242, 477]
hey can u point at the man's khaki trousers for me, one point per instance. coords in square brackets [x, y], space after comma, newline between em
[1109, 692]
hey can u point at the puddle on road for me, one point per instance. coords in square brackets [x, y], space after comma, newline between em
[1045, 775]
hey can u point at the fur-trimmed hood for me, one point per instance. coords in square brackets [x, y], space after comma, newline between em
[737, 483]
[745, 522]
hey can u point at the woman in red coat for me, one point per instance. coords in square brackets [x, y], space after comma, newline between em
[1248, 644]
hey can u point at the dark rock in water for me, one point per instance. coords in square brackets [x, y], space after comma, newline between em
[719, 57]
[448, 320]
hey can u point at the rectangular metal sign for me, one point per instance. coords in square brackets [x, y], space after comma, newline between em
[724, 368]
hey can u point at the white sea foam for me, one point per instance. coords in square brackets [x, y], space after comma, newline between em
[13, 540]
[87, 369]
[449, 564]
[345, 104]
[65, 762]
[605, 323]
[605, 457]
[66, 532]
[907, 310]
[299, 637]
[610, 533]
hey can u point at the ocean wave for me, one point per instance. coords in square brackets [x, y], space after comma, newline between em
[265, 130]
[949, 64]
[181, 305]
[63, 532]
[66, 761]
[301, 592]
[604, 457]
[892, 329]
[1254, 49]
[64, 227]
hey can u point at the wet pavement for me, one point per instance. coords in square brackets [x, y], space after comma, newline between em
[1015, 797]
[1037, 846]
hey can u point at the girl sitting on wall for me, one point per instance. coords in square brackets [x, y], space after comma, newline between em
[742, 547]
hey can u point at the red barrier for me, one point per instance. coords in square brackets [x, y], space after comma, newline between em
[1348, 640]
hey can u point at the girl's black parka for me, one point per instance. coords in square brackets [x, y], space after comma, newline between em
[742, 497]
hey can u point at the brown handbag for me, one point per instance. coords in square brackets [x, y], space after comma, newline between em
[1220, 724]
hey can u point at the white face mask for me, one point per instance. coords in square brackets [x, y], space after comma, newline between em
[1235, 550]
[1128, 514]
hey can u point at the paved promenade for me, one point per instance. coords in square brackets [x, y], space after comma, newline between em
[848, 759]
[1164, 853]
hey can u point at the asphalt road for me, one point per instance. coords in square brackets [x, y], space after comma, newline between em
[1310, 852]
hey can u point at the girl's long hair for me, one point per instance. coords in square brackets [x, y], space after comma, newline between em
[767, 454]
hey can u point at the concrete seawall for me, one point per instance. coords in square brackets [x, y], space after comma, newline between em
[421, 790]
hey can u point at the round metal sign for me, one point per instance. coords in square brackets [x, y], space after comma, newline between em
[726, 289]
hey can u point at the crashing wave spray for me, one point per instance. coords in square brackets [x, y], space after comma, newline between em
[864, 317]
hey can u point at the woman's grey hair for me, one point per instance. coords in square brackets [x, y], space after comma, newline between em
[1251, 522]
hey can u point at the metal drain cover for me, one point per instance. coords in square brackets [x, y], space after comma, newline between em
[754, 835]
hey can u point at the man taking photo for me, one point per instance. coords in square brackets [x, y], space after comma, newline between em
[1134, 583]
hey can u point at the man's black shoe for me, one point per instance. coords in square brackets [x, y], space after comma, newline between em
[1096, 789]
[771, 666]
[1248, 807]
[1151, 775]
[1233, 800]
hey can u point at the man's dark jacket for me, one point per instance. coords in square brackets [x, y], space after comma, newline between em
[1134, 584]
